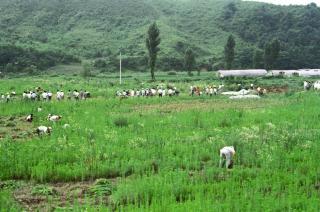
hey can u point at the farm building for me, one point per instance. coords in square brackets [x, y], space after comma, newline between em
[288, 73]
[242, 73]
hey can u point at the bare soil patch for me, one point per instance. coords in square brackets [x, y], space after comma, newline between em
[15, 127]
[62, 196]
[277, 89]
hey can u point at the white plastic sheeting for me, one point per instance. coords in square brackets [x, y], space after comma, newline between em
[242, 73]
[309, 72]
[300, 72]
[288, 73]
[245, 97]
[236, 93]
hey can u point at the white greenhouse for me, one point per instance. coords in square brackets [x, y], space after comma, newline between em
[288, 73]
[309, 72]
[242, 73]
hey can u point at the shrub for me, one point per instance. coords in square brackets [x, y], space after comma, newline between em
[43, 190]
[87, 70]
[102, 187]
[172, 73]
[121, 122]
[224, 123]
[10, 184]
[183, 193]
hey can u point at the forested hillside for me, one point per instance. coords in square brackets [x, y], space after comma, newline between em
[68, 30]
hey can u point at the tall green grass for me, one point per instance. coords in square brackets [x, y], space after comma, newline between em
[165, 158]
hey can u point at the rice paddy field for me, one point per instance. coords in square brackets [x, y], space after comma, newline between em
[160, 154]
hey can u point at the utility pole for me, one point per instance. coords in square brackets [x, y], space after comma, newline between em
[120, 68]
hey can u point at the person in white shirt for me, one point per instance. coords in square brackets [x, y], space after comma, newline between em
[226, 155]
[44, 95]
[49, 96]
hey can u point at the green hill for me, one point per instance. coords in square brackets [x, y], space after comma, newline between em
[98, 29]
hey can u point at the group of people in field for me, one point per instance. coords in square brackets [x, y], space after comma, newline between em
[149, 92]
[226, 153]
[307, 85]
[210, 90]
[46, 95]
[6, 97]
[41, 130]
[39, 94]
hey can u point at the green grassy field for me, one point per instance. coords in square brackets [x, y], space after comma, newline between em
[160, 154]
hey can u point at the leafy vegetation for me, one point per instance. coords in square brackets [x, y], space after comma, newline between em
[152, 43]
[17, 59]
[98, 29]
[271, 54]
[189, 61]
[229, 52]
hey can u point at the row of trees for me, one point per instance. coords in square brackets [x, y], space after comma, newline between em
[16, 59]
[265, 59]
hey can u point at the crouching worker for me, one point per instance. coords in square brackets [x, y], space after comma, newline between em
[226, 155]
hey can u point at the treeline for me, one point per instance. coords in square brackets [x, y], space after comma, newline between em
[16, 59]
[193, 34]
[264, 36]
[297, 28]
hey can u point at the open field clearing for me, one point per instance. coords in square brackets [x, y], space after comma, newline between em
[160, 154]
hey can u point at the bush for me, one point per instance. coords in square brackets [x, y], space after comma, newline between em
[225, 123]
[102, 187]
[121, 122]
[43, 190]
[100, 63]
[87, 70]
[172, 73]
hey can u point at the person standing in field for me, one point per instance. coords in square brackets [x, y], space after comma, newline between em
[8, 97]
[226, 155]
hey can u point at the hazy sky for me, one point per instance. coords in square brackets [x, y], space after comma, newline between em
[287, 2]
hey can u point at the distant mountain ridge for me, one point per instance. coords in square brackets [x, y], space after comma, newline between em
[98, 29]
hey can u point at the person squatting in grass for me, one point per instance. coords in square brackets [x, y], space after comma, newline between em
[226, 155]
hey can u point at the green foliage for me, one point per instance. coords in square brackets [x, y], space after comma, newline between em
[152, 42]
[172, 73]
[87, 69]
[271, 54]
[16, 59]
[167, 157]
[102, 187]
[121, 122]
[10, 185]
[7, 202]
[294, 26]
[96, 30]
[189, 61]
[229, 52]
[43, 190]
[258, 59]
